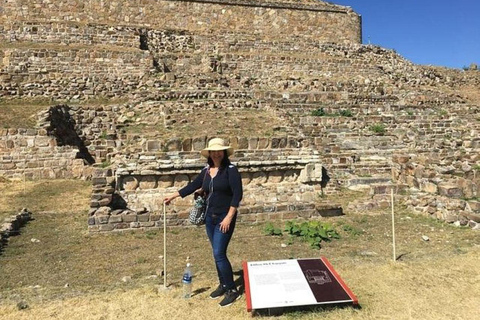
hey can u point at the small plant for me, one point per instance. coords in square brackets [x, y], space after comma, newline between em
[476, 167]
[346, 113]
[105, 164]
[319, 112]
[352, 230]
[271, 230]
[378, 128]
[103, 135]
[312, 232]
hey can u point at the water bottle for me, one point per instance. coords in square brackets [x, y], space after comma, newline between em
[187, 282]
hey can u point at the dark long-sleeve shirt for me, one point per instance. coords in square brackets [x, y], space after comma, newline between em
[224, 190]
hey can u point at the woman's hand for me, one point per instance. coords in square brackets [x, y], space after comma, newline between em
[170, 197]
[225, 224]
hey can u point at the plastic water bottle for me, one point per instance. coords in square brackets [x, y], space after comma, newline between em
[187, 281]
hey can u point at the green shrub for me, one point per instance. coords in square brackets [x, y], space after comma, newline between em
[271, 230]
[319, 112]
[346, 113]
[312, 232]
[378, 128]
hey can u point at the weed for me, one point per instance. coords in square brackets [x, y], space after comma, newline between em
[312, 232]
[105, 164]
[378, 128]
[352, 230]
[346, 113]
[319, 112]
[271, 230]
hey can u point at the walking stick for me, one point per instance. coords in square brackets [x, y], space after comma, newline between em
[164, 246]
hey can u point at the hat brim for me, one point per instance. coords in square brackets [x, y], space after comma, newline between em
[205, 151]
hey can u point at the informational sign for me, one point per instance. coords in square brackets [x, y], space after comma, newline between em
[289, 283]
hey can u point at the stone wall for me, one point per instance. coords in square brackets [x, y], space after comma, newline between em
[11, 226]
[312, 19]
[445, 185]
[32, 154]
[278, 184]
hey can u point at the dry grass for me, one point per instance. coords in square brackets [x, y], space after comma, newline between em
[20, 115]
[438, 279]
[208, 123]
[63, 196]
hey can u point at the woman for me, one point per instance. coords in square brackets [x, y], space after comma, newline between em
[222, 183]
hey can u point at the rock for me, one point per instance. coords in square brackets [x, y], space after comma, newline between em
[425, 238]
[127, 279]
[22, 305]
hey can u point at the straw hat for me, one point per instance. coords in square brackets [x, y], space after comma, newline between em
[216, 144]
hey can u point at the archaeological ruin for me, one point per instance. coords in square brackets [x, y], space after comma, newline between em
[135, 89]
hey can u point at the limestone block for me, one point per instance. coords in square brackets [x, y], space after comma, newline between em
[129, 217]
[165, 181]
[449, 190]
[275, 176]
[252, 143]
[429, 187]
[129, 183]
[143, 217]
[290, 176]
[187, 144]
[181, 180]
[242, 143]
[198, 143]
[154, 145]
[174, 144]
[308, 173]
[103, 211]
[246, 178]
[106, 227]
[115, 219]
[105, 201]
[259, 178]
[473, 206]
[263, 143]
[147, 182]
[101, 219]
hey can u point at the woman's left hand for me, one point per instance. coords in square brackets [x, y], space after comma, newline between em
[225, 224]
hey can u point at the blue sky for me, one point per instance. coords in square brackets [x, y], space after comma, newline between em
[429, 32]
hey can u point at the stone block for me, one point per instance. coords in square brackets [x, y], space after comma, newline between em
[252, 143]
[147, 182]
[115, 219]
[198, 143]
[473, 206]
[129, 217]
[275, 176]
[449, 190]
[101, 219]
[129, 183]
[165, 182]
[143, 217]
[429, 187]
[106, 227]
[154, 145]
[187, 144]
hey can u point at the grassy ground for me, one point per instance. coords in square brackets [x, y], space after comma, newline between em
[72, 274]
[199, 123]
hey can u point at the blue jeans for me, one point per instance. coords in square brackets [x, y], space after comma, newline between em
[219, 242]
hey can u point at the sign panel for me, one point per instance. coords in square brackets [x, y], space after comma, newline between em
[288, 283]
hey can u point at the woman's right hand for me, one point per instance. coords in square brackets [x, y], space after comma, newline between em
[170, 197]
